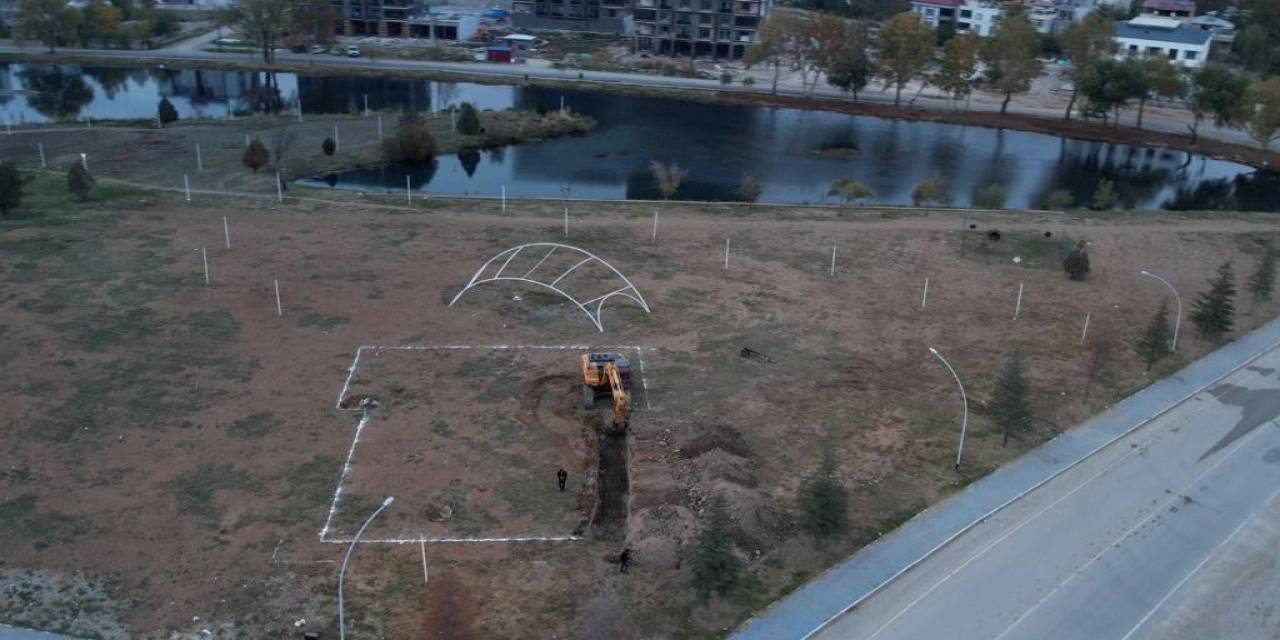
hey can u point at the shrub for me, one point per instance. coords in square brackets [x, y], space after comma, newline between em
[935, 190]
[992, 197]
[255, 155]
[468, 120]
[1076, 262]
[824, 503]
[10, 187]
[1104, 197]
[726, 77]
[1059, 200]
[167, 112]
[79, 181]
[328, 146]
[412, 142]
[748, 81]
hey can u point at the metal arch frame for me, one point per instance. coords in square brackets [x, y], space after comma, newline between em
[629, 291]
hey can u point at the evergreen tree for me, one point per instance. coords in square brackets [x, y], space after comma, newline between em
[824, 503]
[167, 112]
[1076, 262]
[256, 155]
[1153, 344]
[79, 181]
[715, 568]
[1214, 311]
[1010, 406]
[328, 146]
[1263, 279]
[10, 187]
[468, 120]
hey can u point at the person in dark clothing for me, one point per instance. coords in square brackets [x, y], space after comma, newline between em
[562, 477]
[624, 560]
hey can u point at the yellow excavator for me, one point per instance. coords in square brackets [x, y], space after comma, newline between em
[607, 373]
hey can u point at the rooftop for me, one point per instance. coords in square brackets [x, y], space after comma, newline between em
[939, 3]
[1144, 30]
[1169, 5]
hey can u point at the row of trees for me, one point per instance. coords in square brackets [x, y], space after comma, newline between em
[118, 23]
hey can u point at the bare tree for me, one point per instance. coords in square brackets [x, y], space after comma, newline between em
[281, 143]
[1102, 350]
[667, 178]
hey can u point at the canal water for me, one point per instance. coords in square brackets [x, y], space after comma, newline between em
[794, 153]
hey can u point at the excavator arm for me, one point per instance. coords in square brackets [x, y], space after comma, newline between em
[621, 399]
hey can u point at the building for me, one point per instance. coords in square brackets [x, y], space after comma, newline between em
[1183, 10]
[936, 12]
[1223, 31]
[405, 18]
[595, 16]
[979, 16]
[715, 28]
[1185, 45]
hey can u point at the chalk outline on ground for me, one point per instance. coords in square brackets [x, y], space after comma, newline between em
[365, 417]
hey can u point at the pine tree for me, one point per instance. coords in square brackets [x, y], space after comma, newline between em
[1076, 262]
[715, 568]
[79, 181]
[328, 146]
[1263, 280]
[468, 120]
[1214, 311]
[824, 503]
[256, 155]
[10, 187]
[1153, 344]
[1010, 406]
[166, 112]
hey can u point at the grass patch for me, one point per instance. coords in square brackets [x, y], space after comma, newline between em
[254, 426]
[21, 519]
[322, 322]
[195, 490]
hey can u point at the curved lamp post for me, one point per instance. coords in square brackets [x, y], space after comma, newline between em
[1177, 319]
[964, 399]
[342, 573]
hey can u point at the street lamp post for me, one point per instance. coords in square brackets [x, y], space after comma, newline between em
[342, 573]
[964, 399]
[1177, 319]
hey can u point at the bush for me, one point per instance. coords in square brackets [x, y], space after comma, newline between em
[79, 181]
[329, 147]
[824, 503]
[992, 197]
[255, 155]
[1076, 262]
[748, 81]
[10, 187]
[468, 120]
[412, 142]
[1059, 200]
[934, 190]
[726, 77]
[1105, 196]
[167, 112]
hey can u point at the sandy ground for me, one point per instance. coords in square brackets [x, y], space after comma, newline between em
[177, 444]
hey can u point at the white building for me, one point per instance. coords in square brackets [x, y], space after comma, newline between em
[1185, 45]
[978, 16]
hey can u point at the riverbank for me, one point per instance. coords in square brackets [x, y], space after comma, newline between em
[1159, 134]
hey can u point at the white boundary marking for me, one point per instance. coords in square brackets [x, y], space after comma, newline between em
[423, 545]
[364, 420]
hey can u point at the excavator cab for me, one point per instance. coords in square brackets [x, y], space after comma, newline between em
[607, 373]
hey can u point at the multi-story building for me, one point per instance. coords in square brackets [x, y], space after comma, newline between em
[979, 16]
[936, 12]
[715, 28]
[596, 16]
[1184, 45]
[403, 18]
[1183, 10]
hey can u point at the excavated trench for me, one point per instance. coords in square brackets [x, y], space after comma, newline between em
[609, 517]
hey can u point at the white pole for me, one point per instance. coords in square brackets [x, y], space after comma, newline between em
[422, 544]
[1085, 332]
[964, 417]
[279, 308]
[1177, 320]
[186, 183]
[342, 573]
[337, 146]
[833, 262]
[453, 121]
[561, 104]
[204, 255]
[246, 139]
[408, 193]
[1017, 306]
[43, 164]
[504, 198]
[924, 297]
[199, 159]
[8, 125]
[566, 222]
[279, 188]
[299, 106]
[226, 231]
[366, 105]
[379, 126]
[84, 161]
[655, 225]
[726, 253]
[88, 122]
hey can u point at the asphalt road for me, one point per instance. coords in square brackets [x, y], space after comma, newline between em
[1136, 542]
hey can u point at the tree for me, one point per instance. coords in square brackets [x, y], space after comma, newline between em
[1059, 200]
[1262, 111]
[1010, 407]
[772, 43]
[715, 568]
[1153, 343]
[749, 189]
[957, 75]
[1163, 80]
[315, 22]
[1256, 48]
[468, 120]
[1215, 91]
[849, 190]
[849, 67]
[1214, 310]
[816, 44]
[52, 22]
[255, 155]
[824, 503]
[262, 21]
[904, 48]
[1076, 262]
[412, 142]
[1086, 41]
[1104, 197]
[992, 197]
[1263, 280]
[1112, 85]
[329, 147]
[99, 21]
[166, 112]
[1098, 366]
[936, 190]
[10, 187]
[1010, 56]
[79, 181]
[667, 178]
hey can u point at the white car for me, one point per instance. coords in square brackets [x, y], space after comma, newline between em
[353, 52]
[316, 49]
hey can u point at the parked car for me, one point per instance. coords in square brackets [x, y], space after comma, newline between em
[336, 51]
[353, 52]
[315, 48]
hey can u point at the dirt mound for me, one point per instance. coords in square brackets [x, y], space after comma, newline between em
[720, 465]
[759, 523]
[720, 437]
[657, 533]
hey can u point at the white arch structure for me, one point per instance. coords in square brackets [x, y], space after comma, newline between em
[627, 291]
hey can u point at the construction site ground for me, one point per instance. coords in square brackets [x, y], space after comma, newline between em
[173, 448]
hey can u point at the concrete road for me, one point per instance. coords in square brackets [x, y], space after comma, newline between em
[1129, 544]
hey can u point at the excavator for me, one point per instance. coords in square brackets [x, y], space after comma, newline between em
[608, 373]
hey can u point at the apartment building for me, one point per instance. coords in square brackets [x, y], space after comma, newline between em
[405, 18]
[1183, 10]
[699, 28]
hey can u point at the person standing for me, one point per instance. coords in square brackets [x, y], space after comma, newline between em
[624, 560]
[562, 477]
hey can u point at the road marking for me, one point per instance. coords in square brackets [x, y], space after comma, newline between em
[1197, 568]
[1116, 543]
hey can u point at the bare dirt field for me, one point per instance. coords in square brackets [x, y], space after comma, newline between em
[173, 448]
